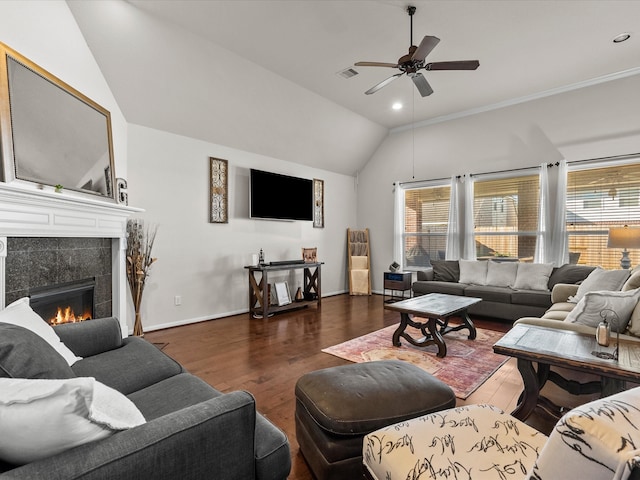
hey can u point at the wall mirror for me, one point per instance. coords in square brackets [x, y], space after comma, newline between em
[50, 133]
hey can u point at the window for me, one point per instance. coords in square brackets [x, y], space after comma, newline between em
[599, 198]
[426, 219]
[505, 214]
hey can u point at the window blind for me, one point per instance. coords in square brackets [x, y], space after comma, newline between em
[426, 219]
[505, 212]
[598, 199]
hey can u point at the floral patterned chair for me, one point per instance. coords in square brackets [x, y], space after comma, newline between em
[598, 440]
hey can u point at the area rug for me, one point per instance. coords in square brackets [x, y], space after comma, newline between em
[468, 364]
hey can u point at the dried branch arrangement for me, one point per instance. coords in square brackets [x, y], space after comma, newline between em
[139, 260]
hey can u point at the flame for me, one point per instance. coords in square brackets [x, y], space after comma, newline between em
[67, 315]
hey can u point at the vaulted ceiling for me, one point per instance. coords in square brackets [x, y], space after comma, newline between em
[262, 75]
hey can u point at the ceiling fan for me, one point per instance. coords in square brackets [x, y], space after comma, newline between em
[411, 63]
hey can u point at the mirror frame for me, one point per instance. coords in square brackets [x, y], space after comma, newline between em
[9, 168]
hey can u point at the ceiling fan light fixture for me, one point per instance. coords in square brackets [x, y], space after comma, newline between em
[623, 37]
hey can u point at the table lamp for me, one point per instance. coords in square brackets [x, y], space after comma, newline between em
[624, 237]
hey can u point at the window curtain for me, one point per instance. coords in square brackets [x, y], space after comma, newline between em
[469, 249]
[398, 223]
[558, 250]
[453, 228]
[543, 237]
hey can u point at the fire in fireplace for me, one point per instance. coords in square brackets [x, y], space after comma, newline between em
[64, 302]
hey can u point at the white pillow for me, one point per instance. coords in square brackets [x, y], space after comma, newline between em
[20, 313]
[533, 276]
[599, 280]
[473, 272]
[589, 308]
[502, 274]
[40, 418]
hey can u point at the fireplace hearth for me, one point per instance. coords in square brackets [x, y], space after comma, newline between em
[64, 302]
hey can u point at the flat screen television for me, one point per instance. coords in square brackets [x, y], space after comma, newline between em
[280, 197]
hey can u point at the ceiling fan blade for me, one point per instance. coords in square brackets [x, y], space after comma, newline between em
[427, 44]
[422, 85]
[383, 83]
[455, 65]
[375, 64]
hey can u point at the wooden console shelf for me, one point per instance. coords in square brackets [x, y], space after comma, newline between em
[259, 301]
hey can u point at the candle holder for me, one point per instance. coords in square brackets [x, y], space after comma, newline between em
[603, 334]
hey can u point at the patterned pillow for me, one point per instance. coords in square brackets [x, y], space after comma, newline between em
[590, 308]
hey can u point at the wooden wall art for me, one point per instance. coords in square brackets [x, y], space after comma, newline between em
[219, 199]
[318, 203]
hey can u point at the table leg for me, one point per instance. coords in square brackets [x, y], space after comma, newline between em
[466, 323]
[529, 398]
[430, 338]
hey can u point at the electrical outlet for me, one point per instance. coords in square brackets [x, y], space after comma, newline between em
[177, 300]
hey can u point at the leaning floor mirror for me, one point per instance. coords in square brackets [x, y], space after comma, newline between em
[51, 134]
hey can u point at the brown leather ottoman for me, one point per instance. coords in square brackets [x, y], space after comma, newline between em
[337, 406]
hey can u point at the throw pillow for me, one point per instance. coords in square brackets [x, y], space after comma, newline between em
[473, 272]
[23, 354]
[40, 418]
[632, 282]
[502, 274]
[633, 328]
[20, 313]
[446, 270]
[569, 273]
[589, 308]
[599, 280]
[533, 276]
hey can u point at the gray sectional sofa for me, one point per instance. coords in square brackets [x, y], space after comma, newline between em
[192, 431]
[499, 301]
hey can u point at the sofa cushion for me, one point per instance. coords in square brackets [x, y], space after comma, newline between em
[488, 293]
[40, 418]
[569, 273]
[593, 306]
[172, 394]
[143, 363]
[536, 298]
[23, 354]
[533, 276]
[473, 272]
[446, 270]
[600, 279]
[20, 313]
[451, 288]
[501, 274]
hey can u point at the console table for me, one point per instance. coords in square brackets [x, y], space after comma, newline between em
[259, 298]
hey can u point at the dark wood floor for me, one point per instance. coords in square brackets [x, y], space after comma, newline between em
[266, 357]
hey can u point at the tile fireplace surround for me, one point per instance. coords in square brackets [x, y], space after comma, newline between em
[39, 213]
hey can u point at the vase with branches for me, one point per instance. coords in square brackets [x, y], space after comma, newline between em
[139, 260]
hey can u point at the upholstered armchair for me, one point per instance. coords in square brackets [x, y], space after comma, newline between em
[598, 440]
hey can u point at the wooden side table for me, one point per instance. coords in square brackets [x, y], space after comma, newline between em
[396, 282]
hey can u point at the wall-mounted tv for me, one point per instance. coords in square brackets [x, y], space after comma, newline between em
[280, 197]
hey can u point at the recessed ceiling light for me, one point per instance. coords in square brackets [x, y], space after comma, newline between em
[396, 106]
[621, 38]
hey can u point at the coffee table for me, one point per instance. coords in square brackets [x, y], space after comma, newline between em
[437, 308]
[546, 347]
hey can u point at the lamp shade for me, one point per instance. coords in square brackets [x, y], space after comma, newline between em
[624, 237]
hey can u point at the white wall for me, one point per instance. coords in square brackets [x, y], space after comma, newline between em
[203, 262]
[46, 33]
[592, 122]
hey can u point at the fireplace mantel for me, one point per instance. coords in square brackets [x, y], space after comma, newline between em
[44, 213]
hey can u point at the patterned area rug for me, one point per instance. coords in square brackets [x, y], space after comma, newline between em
[468, 364]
